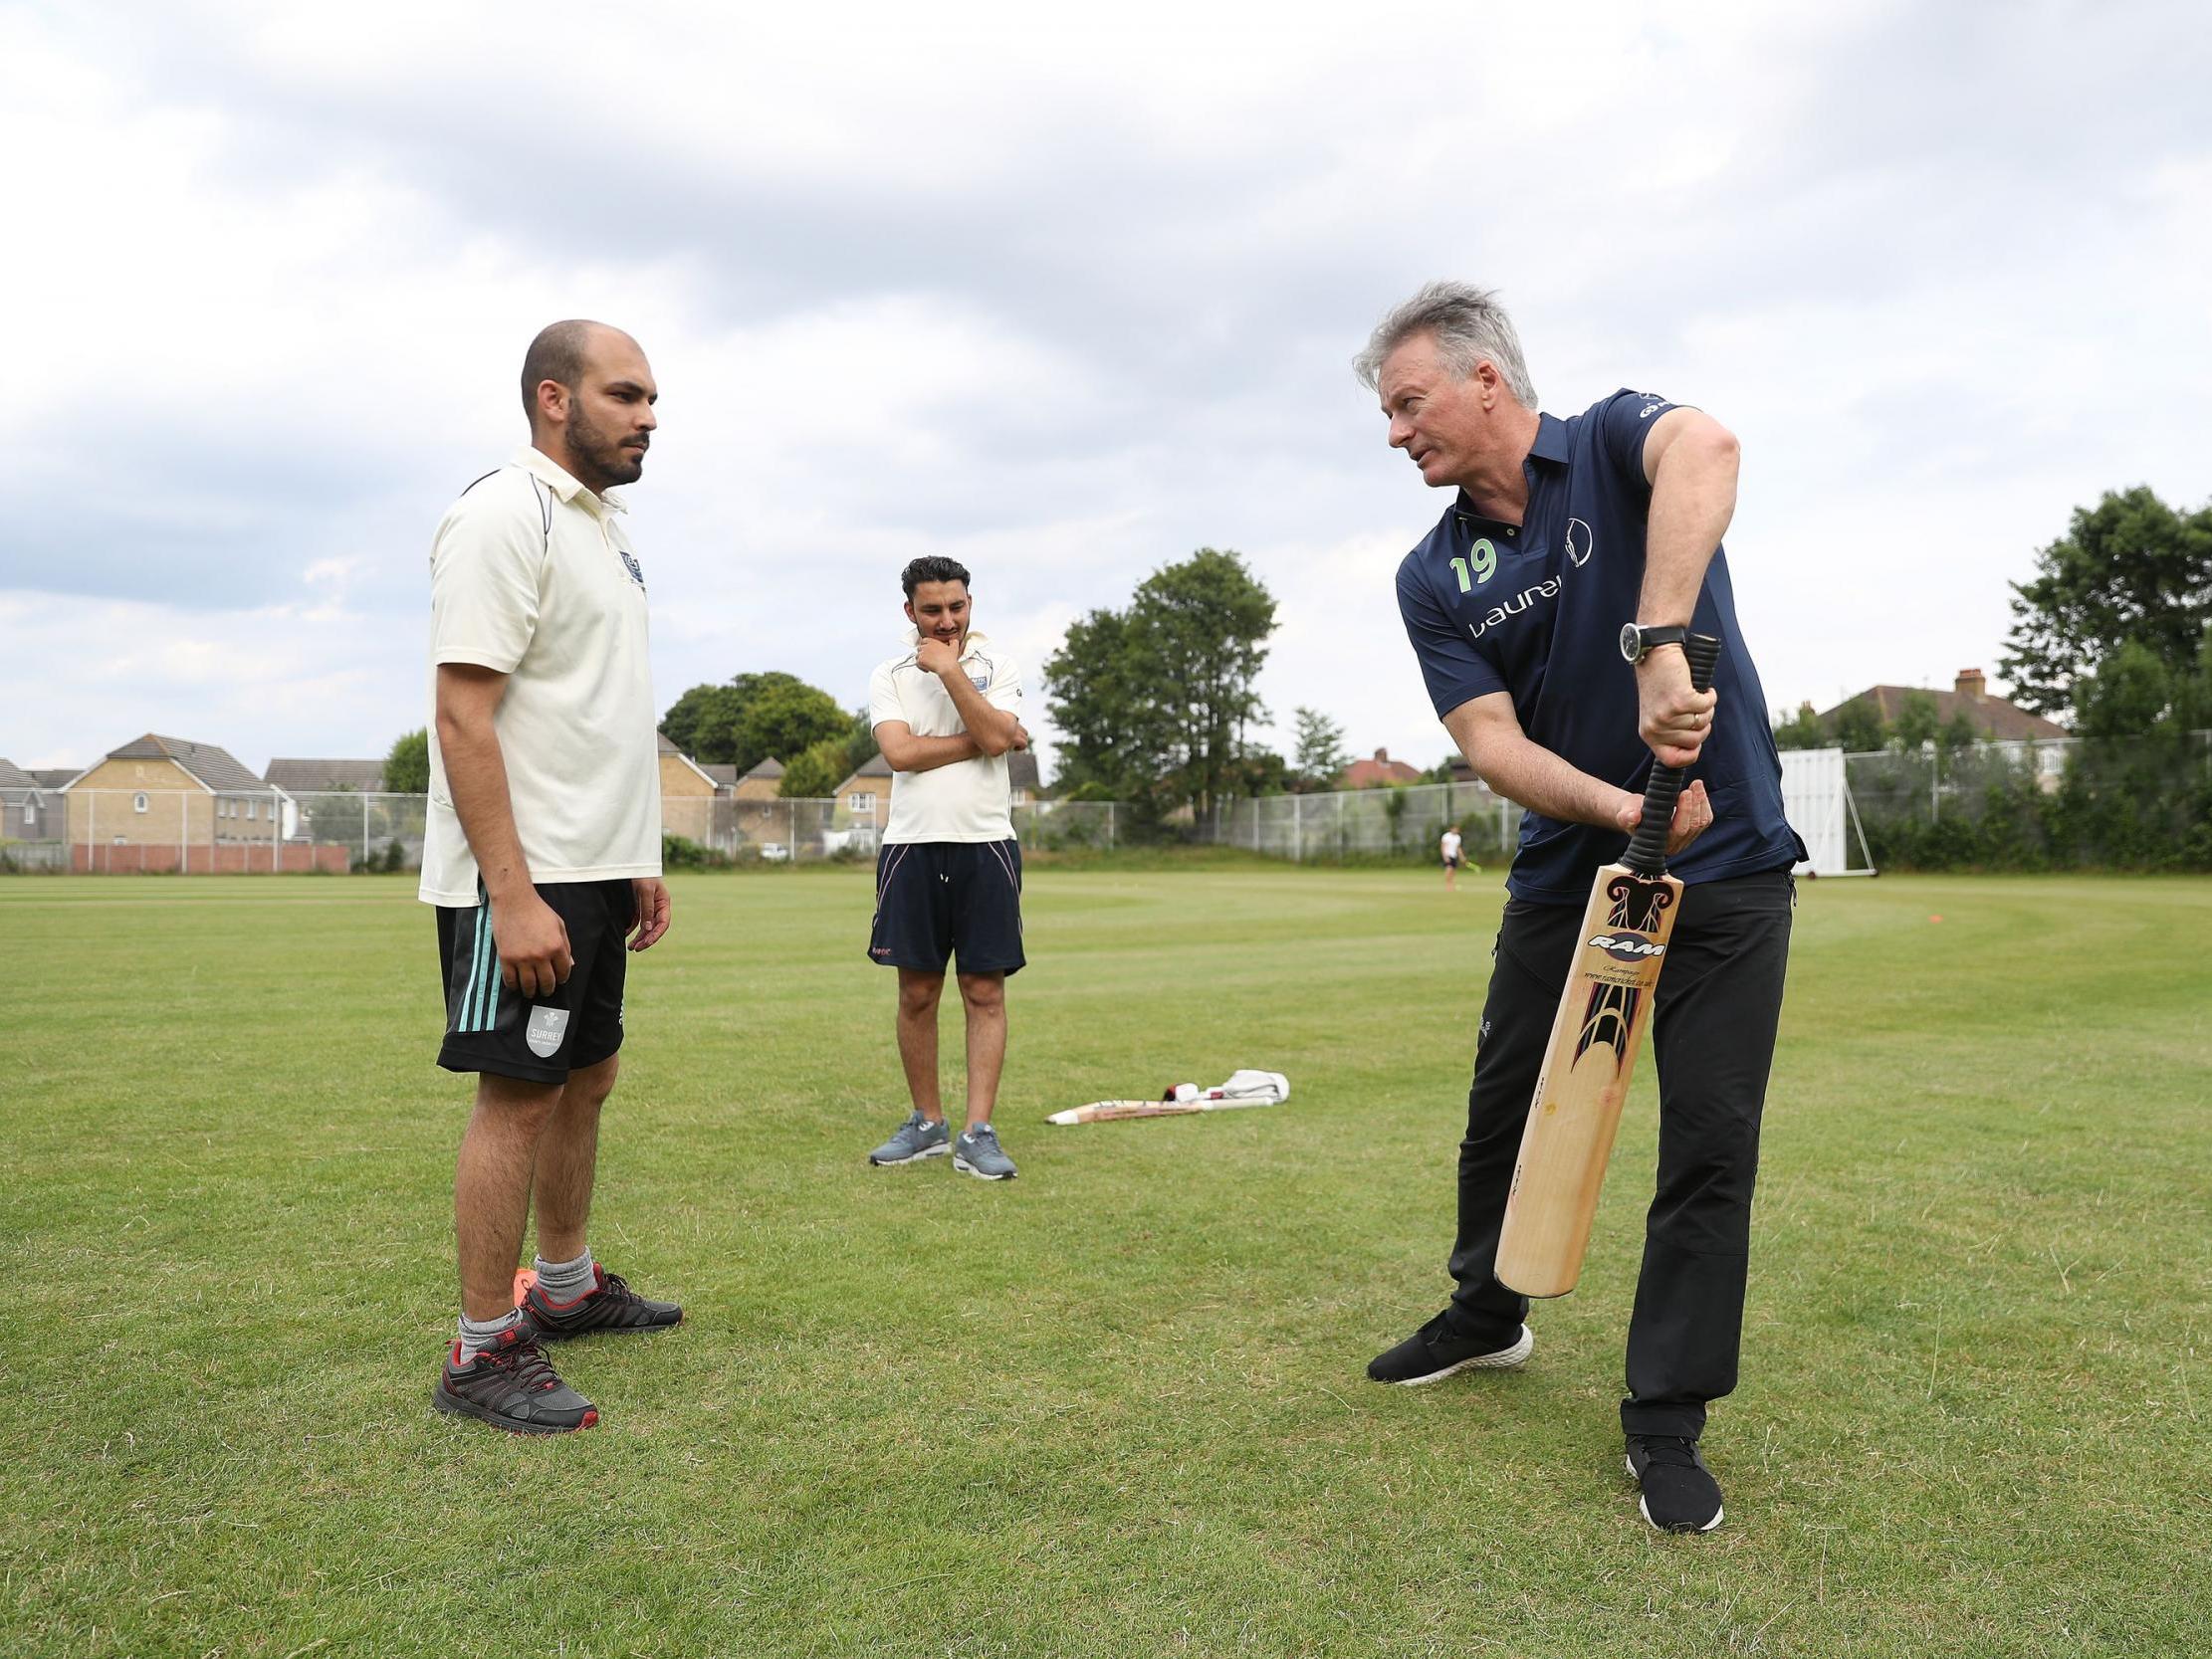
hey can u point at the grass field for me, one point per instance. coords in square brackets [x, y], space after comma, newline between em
[1116, 1406]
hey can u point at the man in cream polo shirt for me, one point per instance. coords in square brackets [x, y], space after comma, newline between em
[541, 853]
[948, 873]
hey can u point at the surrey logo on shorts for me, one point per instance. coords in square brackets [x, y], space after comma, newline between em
[548, 1026]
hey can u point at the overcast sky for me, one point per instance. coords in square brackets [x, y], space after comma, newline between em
[1065, 300]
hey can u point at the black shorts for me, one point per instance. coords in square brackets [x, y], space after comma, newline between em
[489, 1028]
[941, 898]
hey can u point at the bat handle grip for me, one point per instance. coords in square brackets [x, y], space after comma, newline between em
[1647, 854]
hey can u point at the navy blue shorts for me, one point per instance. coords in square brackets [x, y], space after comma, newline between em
[941, 898]
[489, 1028]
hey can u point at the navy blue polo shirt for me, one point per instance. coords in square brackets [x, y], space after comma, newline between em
[1535, 610]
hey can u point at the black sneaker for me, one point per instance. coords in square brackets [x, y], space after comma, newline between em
[611, 1304]
[1435, 1353]
[512, 1386]
[1680, 1492]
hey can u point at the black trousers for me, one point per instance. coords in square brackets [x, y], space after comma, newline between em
[1712, 1035]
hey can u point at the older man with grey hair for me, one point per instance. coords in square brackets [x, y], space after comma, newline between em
[1547, 609]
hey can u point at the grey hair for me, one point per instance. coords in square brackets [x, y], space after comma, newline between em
[1468, 324]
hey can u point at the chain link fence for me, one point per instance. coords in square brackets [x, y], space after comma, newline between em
[2126, 803]
[1401, 823]
[194, 832]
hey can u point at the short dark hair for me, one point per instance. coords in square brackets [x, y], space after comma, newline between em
[934, 567]
[556, 353]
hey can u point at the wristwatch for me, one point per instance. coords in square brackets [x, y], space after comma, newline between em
[1637, 640]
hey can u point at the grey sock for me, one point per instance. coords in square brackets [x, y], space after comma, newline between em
[478, 1335]
[565, 1281]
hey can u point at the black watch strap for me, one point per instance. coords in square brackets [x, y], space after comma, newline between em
[1646, 639]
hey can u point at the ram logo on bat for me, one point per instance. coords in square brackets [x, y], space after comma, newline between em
[1628, 947]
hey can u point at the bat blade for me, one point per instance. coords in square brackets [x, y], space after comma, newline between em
[1107, 1112]
[1575, 1111]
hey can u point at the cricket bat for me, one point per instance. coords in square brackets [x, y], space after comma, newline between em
[1602, 1013]
[1245, 1089]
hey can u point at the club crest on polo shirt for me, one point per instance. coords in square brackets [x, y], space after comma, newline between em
[629, 563]
[982, 681]
[546, 1029]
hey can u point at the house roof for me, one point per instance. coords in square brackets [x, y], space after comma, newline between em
[1991, 715]
[767, 770]
[55, 777]
[216, 767]
[13, 777]
[874, 767]
[1022, 769]
[1364, 774]
[724, 773]
[315, 777]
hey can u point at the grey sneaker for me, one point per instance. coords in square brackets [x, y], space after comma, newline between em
[979, 1153]
[917, 1138]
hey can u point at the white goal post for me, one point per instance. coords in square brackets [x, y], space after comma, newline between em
[1816, 799]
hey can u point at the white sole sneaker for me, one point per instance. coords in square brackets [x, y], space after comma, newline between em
[1644, 1510]
[938, 1151]
[1504, 1360]
[967, 1168]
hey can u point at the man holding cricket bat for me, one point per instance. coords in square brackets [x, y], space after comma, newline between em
[1549, 610]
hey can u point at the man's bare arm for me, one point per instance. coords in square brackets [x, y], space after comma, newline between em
[908, 753]
[1690, 461]
[533, 941]
[991, 728]
[1489, 734]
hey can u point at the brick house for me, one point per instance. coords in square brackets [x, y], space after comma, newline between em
[170, 803]
[688, 796]
[29, 810]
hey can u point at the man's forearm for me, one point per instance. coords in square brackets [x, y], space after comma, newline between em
[1693, 496]
[1532, 775]
[475, 774]
[926, 754]
[991, 728]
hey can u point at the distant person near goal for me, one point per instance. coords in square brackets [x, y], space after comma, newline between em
[946, 711]
[542, 856]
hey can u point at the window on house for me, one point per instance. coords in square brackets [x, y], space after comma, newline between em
[860, 801]
[251, 808]
[139, 802]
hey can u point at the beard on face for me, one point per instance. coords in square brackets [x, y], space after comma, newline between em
[601, 451]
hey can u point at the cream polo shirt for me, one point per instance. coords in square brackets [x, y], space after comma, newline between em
[531, 575]
[968, 800]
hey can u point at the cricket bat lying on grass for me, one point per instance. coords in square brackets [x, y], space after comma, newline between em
[1242, 1089]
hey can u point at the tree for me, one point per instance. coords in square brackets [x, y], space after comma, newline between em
[814, 772]
[1801, 731]
[784, 717]
[1111, 734]
[703, 722]
[2129, 694]
[1321, 754]
[860, 745]
[407, 766]
[1918, 716]
[1859, 726]
[1157, 702]
[2130, 569]
[755, 718]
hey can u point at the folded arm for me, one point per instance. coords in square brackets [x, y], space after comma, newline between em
[908, 753]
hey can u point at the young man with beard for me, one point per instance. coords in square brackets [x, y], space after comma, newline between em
[541, 853]
[949, 873]
[1562, 532]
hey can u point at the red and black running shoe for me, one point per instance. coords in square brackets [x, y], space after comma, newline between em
[512, 1386]
[611, 1304]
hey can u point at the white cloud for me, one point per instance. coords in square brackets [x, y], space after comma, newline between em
[1062, 296]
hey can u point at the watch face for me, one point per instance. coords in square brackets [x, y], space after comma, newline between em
[1632, 642]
